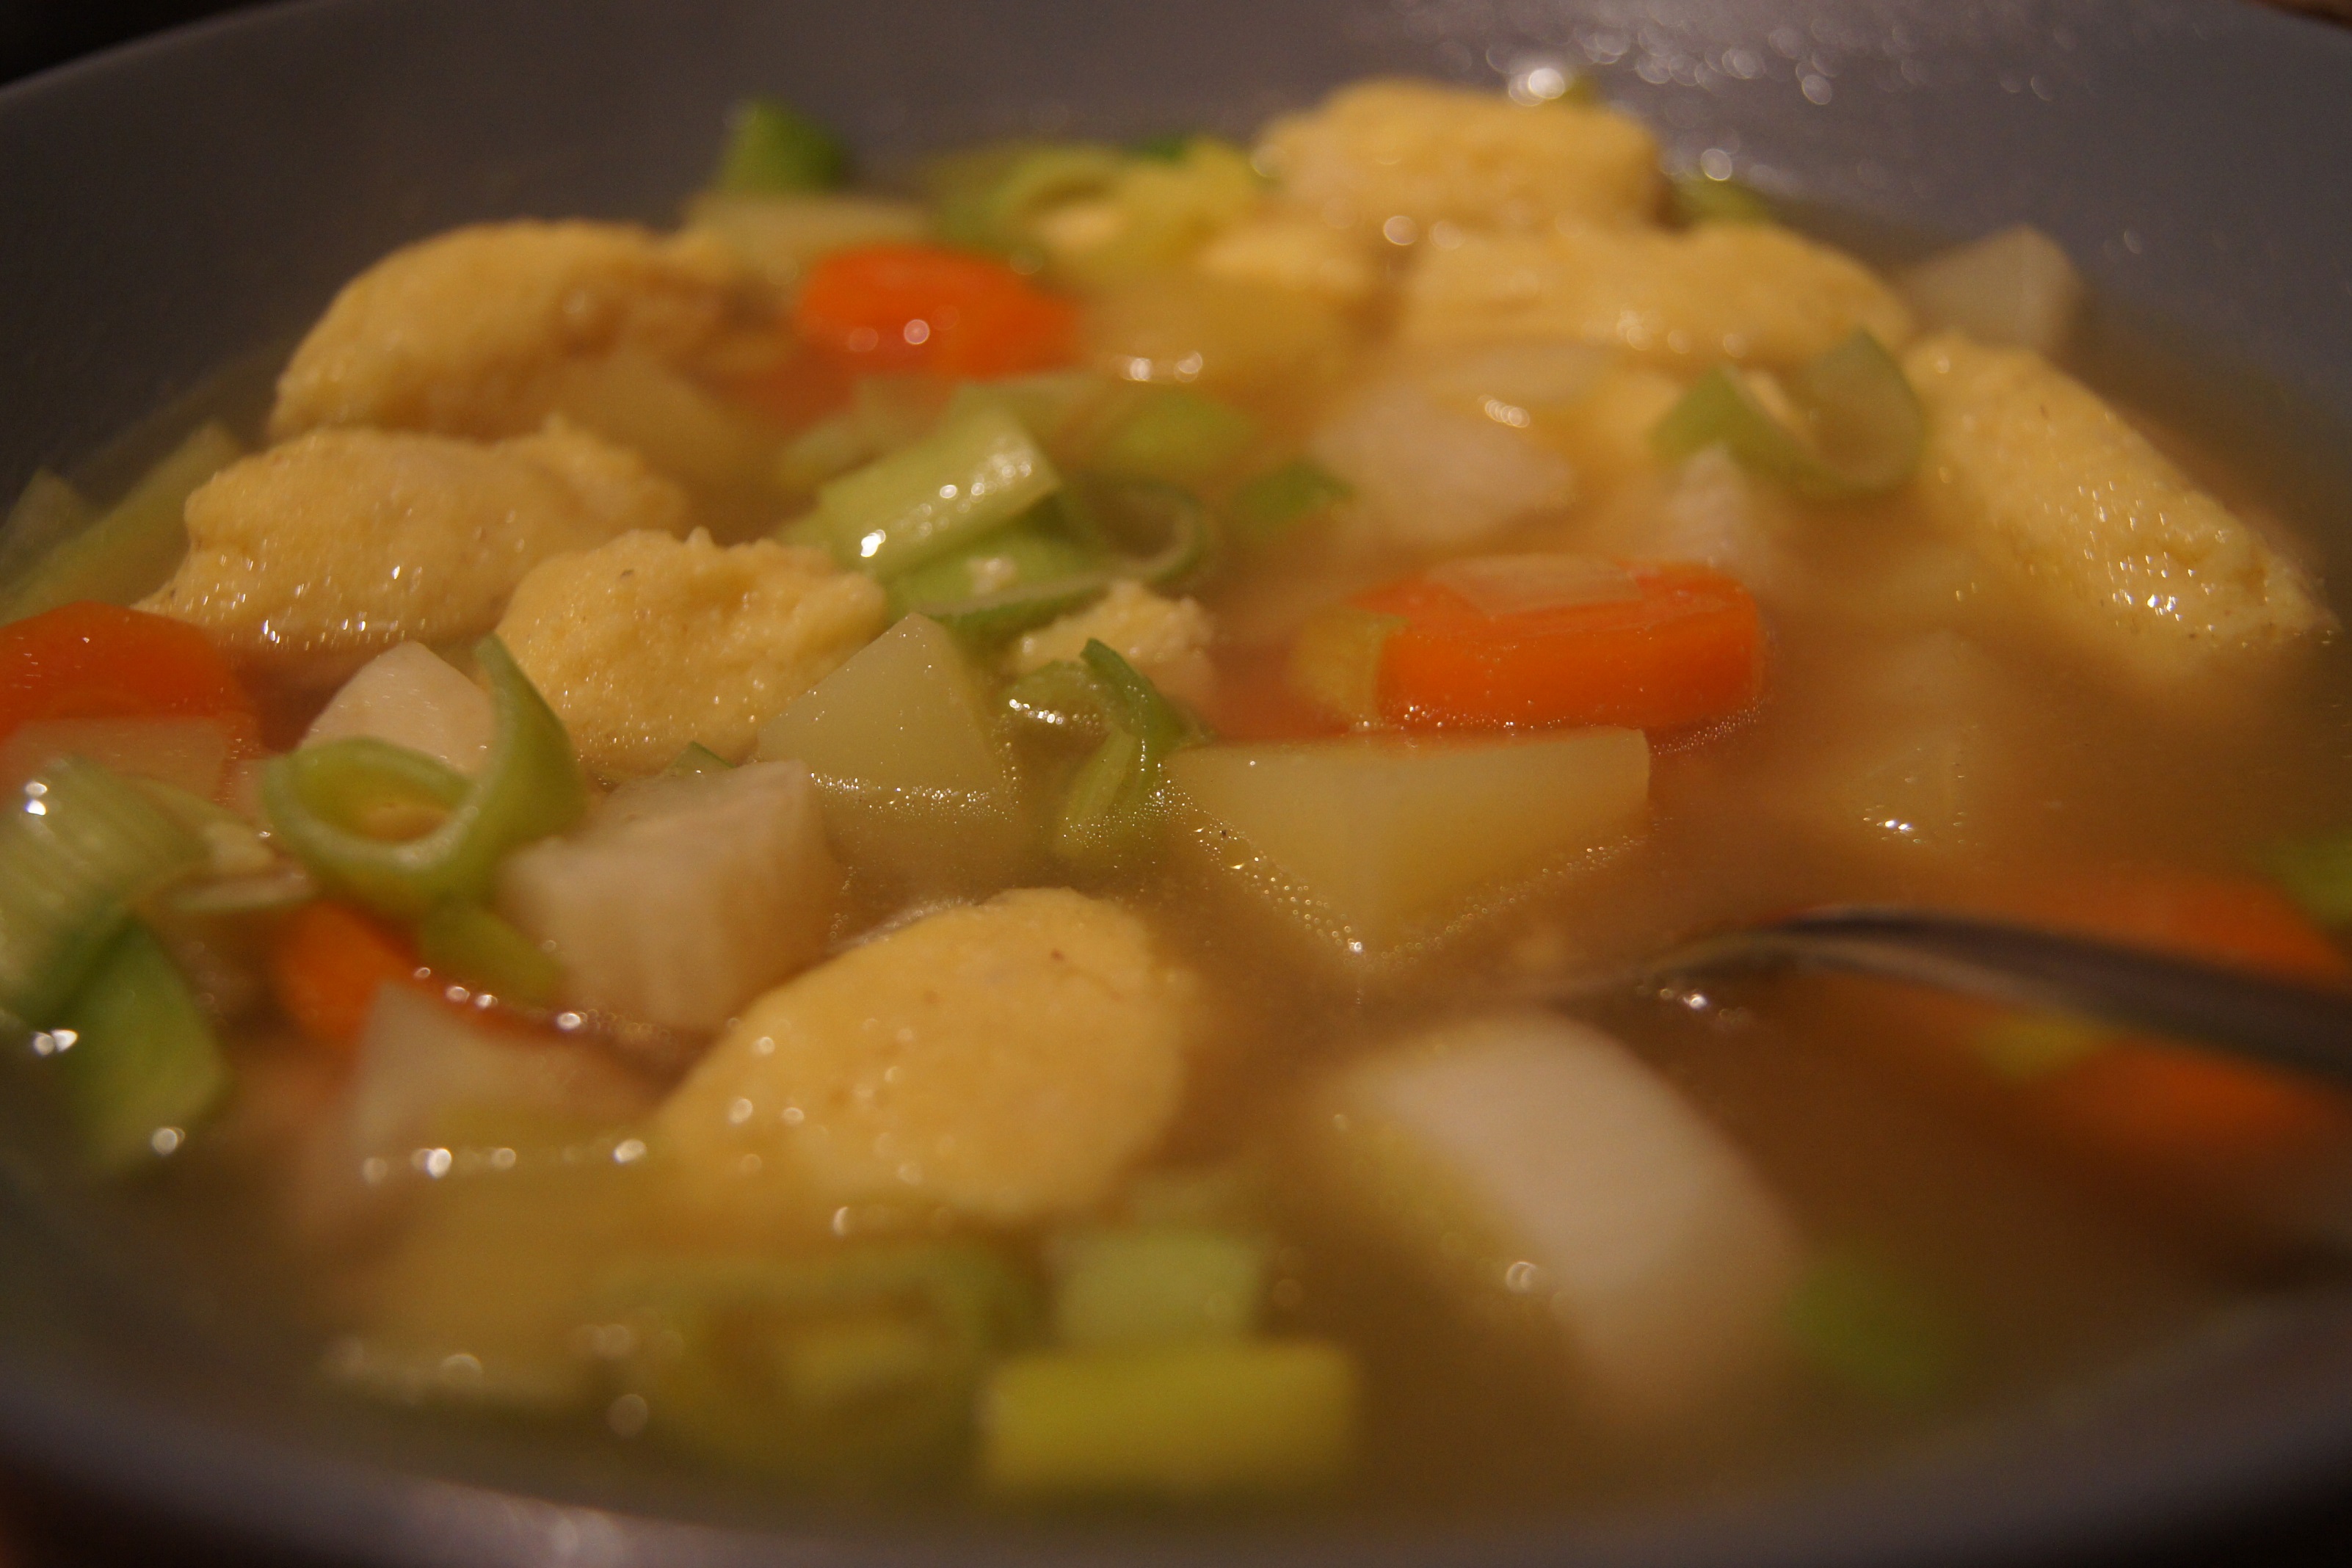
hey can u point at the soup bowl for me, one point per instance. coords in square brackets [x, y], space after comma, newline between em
[183, 204]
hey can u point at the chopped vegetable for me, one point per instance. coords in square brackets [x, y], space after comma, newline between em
[1873, 1330]
[1152, 215]
[2150, 1106]
[468, 943]
[783, 235]
[634, 399]
[326, 966]
[1156, 1285]
[1853, 427]
[918, 307]
[989, 199]
[684, 898]
[1278, 504]
[412, 697]
[1175, 1421]
[134, 1055]
[1336, 662]
[1700, 198]
[2017, 287]
[1109, 534]
[1431, 476]
[132, 549]
[696, 761]
[429, 1074]
[1026, 562]
[1686, 647]
[1111, 810]
[1173, 435]
[854, 1367]
[978, 471]
[79, 847]
[1366, 838]
[47, 511]
[773, 148]
[90, 660]
[1220, 335]
[341, 808]
[902, 748]
[1572, 1174]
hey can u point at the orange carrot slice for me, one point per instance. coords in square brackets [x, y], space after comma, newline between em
[922, 308]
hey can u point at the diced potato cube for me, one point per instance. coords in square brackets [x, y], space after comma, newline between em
[1429, 155]
[902, 748]
[1011, 1061]
[2111, 542]
[1369, 838]
[1427, 475]
[684, 898]
[1581, 1178]
[411, 697]
[2017, 287]
[1751, 292]
[426, 1070]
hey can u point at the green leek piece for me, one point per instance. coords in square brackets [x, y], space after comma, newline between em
[978, 471]
[1698, 199]
[990, 198]
[133, 550]
[1275, 505]
[856, 1366]
[1157, 535]
[1167, 149]
[1251, 1418]
[468, 943]
[1029, 570]
[322, 800]
[1156, 1285]
[1051, 575]
[1175, 436]
[1335, 660]
[830, 447]
[1872, 1330]
[697, 760]
[1063, 697]
[1862, 423]
[775, 148]
[133, 1054]
[1111, 811]
[2317, 874]
[1052, 405]
[48, 513]
[77, 848]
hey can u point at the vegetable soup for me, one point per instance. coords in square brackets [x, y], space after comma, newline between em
[910, 840]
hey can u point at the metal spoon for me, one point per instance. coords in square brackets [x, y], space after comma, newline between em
[2281, 1023]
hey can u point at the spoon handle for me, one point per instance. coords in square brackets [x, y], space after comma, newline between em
[2281, 1023]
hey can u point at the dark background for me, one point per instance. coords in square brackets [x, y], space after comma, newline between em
[38, 1529]
[37, 34]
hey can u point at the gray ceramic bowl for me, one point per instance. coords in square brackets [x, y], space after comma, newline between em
[174, 205]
